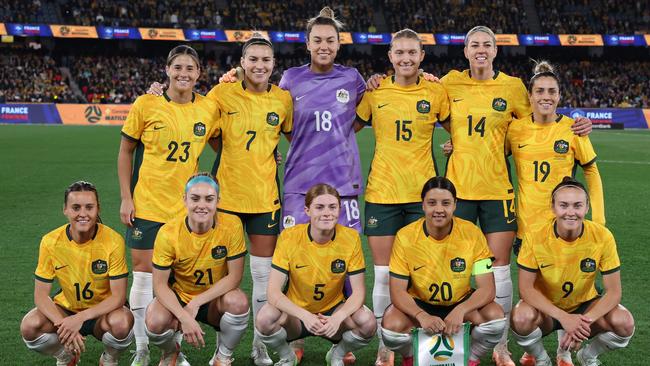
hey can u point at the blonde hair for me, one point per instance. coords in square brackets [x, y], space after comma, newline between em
[408, 34]
[542, 69]
[256, 39]
[324, 17]
[484, 29]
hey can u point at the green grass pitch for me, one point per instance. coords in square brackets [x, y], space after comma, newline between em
[40, 161]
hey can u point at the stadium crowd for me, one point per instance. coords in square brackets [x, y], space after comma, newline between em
[601, 16]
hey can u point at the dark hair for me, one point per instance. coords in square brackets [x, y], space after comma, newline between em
[183, 50]
[325, 17]
[541, 69]
[440, 183]
[256, 38]
[571, 183]
[319, 190]
[81, 186]
[408, 34]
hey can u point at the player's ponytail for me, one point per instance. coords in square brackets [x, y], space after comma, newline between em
[81, 186]
[325, 17]
[542, 69]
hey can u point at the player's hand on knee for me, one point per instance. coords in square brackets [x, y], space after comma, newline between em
[331, 325]
[313, 323]
[374, 81]
[576, 326]
[582, 126]
[229, 77]
[454, 321]
[156, 89]
[127, 212]
[68, 327]
[193, 333]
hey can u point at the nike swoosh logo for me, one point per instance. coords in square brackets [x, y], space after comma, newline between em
[300, 97]
[156, 128]
[136, 309]
[60, 267]
[353, 224]
[417, 268]
[382, 106]
[183, 260]
[522, 146]
[301, 266]
[511, 221]
[270, 226]
[260, 301]
[488, 267]
[545, 265]
[231, 113]
[502, 297]
[457, 99]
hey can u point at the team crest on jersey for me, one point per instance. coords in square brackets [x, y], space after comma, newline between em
[499, 104]
[99, 267]
[219, 252]
[199, 129]
[288, 221]
[588, 265]
[137, 234]
[338, 266]
[561, 147]
[372, 221]
[458, 265]
[272, 118]
[343, 96]
[423, 106]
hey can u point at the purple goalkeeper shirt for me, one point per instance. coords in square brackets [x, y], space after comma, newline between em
[323, 147]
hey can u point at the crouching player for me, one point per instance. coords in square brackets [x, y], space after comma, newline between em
[316, 258]
[432, 262]
[206, 254]
[88, 260]
[557, 272]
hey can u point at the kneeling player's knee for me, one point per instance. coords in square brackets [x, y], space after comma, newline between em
[522, 318]
[622, 322]
[395, 320]
[235, 302]
[266, 319]
[120, 322]
[492, 311]
[31, 325]
[365, 321]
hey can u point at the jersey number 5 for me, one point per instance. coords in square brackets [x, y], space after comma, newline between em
[318, 294]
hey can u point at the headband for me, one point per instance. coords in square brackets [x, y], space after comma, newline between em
[201, 179]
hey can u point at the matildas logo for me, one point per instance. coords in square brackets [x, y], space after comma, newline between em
[442, 347]
[99, 266]
[588, 265]
[458, 264]
[219, 252]
[499, 104]
[199, 129]
[423, 106]
[561, 147]
[137, 234]
[338, 266]
[343, 96]
[272, 118]
[372, 221]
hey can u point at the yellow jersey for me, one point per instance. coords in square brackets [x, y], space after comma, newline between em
[566, 271]
[439, 271]
[544, 154]
[481, 111]
[170, 138]
[250, 127]
[403, 121]
[84, 271]
[317, 271]
[198, 261]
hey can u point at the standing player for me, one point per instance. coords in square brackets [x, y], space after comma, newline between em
[483, 103]
[206, 253]
[403, 111]
[253, 114]
[162, 139]
[316, 258]
[558, 265]
[87, 258]
[432, 262]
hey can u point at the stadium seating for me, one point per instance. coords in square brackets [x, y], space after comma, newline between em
[600, 16]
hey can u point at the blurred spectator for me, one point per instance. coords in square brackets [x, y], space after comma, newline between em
[594, 16]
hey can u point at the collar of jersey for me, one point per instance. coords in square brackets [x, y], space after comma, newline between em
[496, 74]
[69, 235]
[243, 85]
[557, 120]
[426, 232]
[392, 80]
[557, 235]
[187, 225]
[312, 239]
[167, 98]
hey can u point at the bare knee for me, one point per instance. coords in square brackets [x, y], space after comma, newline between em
[364, 319]
[158, 319]
[120, 322]
[235, 302]
[267, 319]
[523, 318]
[621, 321]
[395, 320]
[492, 311]
[34, 324]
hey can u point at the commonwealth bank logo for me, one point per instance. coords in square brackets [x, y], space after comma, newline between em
[441, 347]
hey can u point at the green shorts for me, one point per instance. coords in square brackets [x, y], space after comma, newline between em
[87, 327]
[579, 310]
[493, 215]
[142, 234]
[387, 219]
[441, 311]
[304, 332]
[266, 223]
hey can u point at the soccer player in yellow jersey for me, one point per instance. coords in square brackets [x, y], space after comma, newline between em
[162, 139]
[403, 111]
[254, 113]
[431, 265]
[483, 103]
[316, 258]
[87, 258]
[205, 251]
[558, 266]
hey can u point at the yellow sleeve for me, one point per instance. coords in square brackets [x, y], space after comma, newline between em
[357, 264]
[280, 256]
[212, 94]
[212, 98]
[397, 266]
[163, 250]
[364, 109]
[521, 102]
[596, 196]
[609, 261]
[117, 259]
[134, 124]
[237, 247]
[44, 269]
[287, 124]
[444, 110]
[526, 259]
[584, 151]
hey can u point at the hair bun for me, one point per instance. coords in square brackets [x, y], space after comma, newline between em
[326, 12]
[543, 66]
